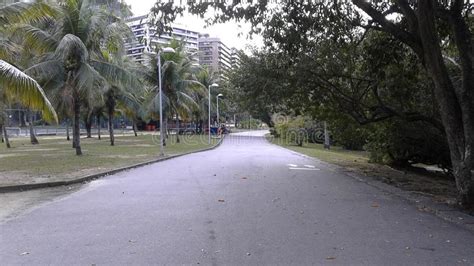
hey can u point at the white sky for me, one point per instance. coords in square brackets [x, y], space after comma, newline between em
[227, 32]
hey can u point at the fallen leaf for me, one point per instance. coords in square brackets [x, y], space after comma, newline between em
[244, 178]
[221, 200]
[24, 253]
[375, 205]
[330, 258]
[248, 254]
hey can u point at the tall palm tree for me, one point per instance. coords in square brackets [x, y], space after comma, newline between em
[71, 43]
[16, 86]
[182, 89]
[118, 90]
[179, 84]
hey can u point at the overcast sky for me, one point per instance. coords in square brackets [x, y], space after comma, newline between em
[228, 32]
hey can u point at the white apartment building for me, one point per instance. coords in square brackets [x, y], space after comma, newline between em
[214, 54]
[146, 37]
[7, 2]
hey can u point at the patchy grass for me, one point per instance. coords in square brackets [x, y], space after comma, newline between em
[54, 159]
[335, 155]
[439, 186]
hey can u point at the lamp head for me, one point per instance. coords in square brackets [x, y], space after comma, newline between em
[168, 50]
[214, 85]
[220, 95]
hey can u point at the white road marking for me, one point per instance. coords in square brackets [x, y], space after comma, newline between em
[292, 165]
[305, 169]
[309, 166]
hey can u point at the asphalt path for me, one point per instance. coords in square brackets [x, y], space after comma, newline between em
[247, 202]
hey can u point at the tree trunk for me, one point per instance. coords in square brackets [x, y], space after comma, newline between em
[88, 122]
[77, 129]
[111, 126]
[456, 104]
[135, 128]
[110, 104]
[73, 133]
[165, 130]
[33, 138]
[98, 127]
[177, 132]
[67, 130]
[5, 135]
[22, 116]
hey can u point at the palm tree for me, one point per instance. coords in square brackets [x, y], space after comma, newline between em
[206, 77]
[179, 85]
[182, 88]
[71, 43]
[17, 86]
[119, 91]
[10, 48]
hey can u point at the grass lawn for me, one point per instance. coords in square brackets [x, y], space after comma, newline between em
[440, 186]
[335, 155]
[54, 159]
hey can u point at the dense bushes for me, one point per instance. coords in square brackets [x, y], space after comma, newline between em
[399, 143]
[394, 142]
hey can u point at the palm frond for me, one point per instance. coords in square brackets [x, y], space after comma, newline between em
[27, 12]
[19, 86]
[35, 38]
[71, 48]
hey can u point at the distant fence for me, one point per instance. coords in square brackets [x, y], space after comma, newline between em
[56, 131]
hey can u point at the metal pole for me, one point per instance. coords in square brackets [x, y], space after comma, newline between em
[162, 152]
[209, 115]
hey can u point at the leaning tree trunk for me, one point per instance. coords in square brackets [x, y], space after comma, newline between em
[134, 126]
[456, 103]
[98, 127]
[33, 138]
[5, 136]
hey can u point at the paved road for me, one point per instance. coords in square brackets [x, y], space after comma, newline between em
[247, 202]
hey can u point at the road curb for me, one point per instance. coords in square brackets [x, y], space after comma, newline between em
[24, 187]
[421, 202]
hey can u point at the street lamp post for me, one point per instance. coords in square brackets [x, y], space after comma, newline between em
[214, 85]
[166, 50]
[217, 99]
